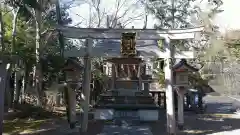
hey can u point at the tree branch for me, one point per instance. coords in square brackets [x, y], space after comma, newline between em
[47, 30]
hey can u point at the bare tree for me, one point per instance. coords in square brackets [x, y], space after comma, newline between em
[119, 12]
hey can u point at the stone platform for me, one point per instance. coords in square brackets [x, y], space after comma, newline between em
[137, 106]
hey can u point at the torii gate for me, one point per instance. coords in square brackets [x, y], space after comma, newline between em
[141, 34]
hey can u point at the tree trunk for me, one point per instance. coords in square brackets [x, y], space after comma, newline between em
[23, 85]
[61, 43]
[3, 81]
[8, 92]
[37, 68]
[14, 34]
[1, 30]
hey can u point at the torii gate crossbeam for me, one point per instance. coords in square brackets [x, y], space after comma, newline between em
[142, 34]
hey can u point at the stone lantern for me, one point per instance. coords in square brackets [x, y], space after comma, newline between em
[73, 71]
[73, 76]
[181, 72]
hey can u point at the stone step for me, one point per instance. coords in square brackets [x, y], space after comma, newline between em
[140, 114]
[131, 102]
[126, 100]
[127, 106]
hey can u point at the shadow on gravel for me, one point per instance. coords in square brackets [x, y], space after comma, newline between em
[220, 117]
[210, 124]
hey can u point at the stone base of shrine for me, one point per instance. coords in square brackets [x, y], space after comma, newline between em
[141, 114]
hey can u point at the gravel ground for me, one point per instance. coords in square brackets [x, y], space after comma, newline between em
[219, 119]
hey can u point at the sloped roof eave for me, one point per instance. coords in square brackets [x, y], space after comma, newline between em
[184, 62]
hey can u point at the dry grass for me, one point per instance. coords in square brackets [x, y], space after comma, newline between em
[17, 126]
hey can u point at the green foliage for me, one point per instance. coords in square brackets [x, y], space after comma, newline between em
[215, 47]
[24, 6]
[52, 18]
[210, 46]
[158, 71]
[160, 44]
[232, 42]
[163, 11]
[25, 37]
[161, 77]
[97, 70]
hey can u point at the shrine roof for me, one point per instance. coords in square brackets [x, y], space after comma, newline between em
[183, 62]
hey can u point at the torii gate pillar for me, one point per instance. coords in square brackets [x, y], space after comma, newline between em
[86, 84]
[170, 109]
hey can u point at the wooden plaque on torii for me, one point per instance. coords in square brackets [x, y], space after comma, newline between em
[128, 44]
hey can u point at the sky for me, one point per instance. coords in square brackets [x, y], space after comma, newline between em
[228, 19]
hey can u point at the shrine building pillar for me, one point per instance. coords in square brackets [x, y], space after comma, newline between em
[148, 67]
[140, 77]
[113, 79]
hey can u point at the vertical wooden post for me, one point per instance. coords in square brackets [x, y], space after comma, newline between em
[113, 76]
[180, 109]
[86, 84]
[140, 77]
[171, 122]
